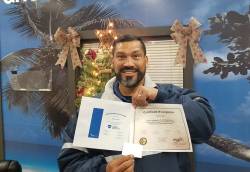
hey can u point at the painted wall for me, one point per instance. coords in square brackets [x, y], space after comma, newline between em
[230, 97]
[25, 137]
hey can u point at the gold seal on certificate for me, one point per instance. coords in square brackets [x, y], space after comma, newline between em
[143, 141]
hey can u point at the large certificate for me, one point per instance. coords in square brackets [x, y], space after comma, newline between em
[162, 127]
[105, 124]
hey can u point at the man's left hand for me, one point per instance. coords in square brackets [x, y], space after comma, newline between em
[143, 95]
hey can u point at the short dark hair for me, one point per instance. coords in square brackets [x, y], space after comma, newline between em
[128, 38]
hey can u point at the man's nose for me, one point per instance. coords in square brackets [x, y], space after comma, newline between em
[129, 62]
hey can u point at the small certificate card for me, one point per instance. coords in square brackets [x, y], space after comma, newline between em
[105, 124]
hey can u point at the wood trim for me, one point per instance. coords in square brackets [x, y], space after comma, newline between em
[188, 70]
[145, 33]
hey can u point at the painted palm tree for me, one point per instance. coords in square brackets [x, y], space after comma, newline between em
[41, 21]
[232, 29]
[230, 146]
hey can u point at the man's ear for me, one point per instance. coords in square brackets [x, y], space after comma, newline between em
[146, 60]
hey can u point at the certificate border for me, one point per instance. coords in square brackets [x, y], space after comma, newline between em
[179, 107]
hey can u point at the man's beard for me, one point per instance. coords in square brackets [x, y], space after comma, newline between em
[130, 81]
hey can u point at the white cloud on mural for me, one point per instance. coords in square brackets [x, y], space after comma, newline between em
[157, 12]
[29, 169]
[236, 6]
[164, 12]
[244, 108]
[202, 10]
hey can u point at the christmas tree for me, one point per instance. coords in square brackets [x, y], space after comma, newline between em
[96, 69]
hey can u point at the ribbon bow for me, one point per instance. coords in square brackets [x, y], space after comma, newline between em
[69, 43]
[183, 35]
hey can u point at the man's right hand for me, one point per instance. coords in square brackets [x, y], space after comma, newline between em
[121, 164]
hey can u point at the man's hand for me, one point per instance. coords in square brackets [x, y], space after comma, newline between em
[143, 95]
[121, 164]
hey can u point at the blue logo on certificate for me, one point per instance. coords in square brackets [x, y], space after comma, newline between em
[95, 124]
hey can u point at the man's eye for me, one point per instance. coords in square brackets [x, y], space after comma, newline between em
[121, 57]
[136, 56]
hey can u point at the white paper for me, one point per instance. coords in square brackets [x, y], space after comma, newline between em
[132, 149]
[114, 128]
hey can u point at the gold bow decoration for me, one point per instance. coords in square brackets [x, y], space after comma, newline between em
[184, 35]
[69, 43]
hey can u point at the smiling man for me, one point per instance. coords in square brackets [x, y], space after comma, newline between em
[131, 84]
[129, 64]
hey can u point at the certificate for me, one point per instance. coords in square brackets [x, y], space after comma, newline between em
[105, 124]
[162, 127]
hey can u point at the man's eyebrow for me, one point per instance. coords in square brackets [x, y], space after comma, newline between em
[136, 51]
[119, 52]
[122, 53]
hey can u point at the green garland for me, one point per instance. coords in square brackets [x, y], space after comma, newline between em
[94, 75]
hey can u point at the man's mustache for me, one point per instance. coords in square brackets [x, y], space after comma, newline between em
[129, 69]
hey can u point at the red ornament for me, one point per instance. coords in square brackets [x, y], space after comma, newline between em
[91, 54]
[80, 92]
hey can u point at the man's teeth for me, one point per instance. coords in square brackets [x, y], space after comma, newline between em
[129, 71]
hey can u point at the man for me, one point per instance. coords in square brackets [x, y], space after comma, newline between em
[132, 85]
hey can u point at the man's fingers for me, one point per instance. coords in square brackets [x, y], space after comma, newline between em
[126, 165]
[130, 169]
[140, 97]
[121, 159]
[139, 93]
[139, 101]
[119, 164]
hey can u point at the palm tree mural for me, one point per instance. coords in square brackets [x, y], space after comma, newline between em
[233, 30]
[230, 146]
[41, 20]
